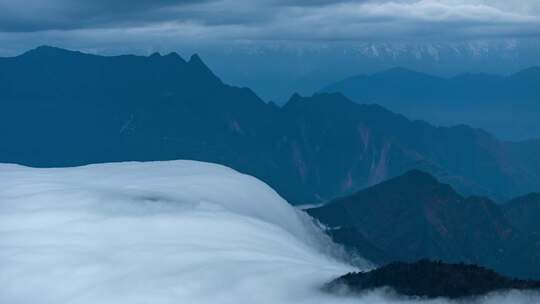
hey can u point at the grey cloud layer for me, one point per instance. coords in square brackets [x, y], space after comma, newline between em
[37, 15]
[279, 19]
[217, 21]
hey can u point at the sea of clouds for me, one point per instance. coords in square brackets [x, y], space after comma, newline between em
[164, 232]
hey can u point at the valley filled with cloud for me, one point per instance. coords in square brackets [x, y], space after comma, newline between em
[165, 232]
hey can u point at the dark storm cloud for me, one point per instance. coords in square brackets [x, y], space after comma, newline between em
[313, 2]
[38, 15]
[124, 22]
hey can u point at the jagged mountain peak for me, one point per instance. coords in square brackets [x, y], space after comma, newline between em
[170, 57]
[174, 55]
[200, 66]
[195, 59]
[418, 176]
[322, 97]
[370, 142]
[414, 184]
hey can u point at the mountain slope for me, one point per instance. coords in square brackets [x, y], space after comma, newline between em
[507, 106]
[101, 109]
[366, 144]
[64, 108]
[413, 216]
[524, 212]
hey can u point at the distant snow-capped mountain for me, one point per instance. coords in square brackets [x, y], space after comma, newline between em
[305, 68]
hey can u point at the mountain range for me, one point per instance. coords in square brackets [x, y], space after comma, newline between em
[414, 217]
[276, 71]
[65, 108]
[508, 106]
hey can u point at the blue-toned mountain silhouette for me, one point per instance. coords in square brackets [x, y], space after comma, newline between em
[431, 279]
[65, 108]
[414, 217]
[508, 106]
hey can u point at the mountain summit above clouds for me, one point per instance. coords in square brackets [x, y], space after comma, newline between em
[65, 108]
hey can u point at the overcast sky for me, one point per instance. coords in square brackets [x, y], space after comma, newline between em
[110, 25]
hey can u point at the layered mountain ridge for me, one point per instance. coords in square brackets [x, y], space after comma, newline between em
[103, 109]
[507, 106]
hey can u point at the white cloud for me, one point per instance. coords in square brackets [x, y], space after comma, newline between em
[174, 232]
[161, 232]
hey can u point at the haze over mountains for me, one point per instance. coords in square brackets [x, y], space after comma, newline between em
[276, 71]
[507, 106]
[64, 108]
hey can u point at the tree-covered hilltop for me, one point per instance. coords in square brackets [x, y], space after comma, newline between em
[431, 279]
